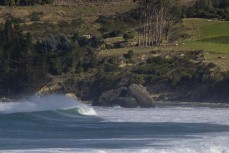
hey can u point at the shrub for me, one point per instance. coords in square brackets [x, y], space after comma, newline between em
[63, 24]
[128, 36]
[76, 22]
[111, 68]
[114, 33]
[174, 80]
[112, 26]
[113, 60]
[16, 20]
[129, 55]
[137, 78]
[35, 16]
[118, 45]
[93, 62]
[80, 69]
[83, 41]
[176, 37]
[54, 44]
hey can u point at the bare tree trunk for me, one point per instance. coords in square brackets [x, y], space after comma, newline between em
[155, 16]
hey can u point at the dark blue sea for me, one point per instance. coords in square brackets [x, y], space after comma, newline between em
[58, 124]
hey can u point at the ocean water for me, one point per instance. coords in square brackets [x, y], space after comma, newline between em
[58, 124]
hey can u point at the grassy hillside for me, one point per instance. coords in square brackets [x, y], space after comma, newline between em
[216, 29]
[211, 36]
[60, 17]
[70, 16]
[208, 35]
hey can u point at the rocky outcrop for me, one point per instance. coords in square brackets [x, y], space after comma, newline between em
[52, 88]
[71, 95]
[141, 95]
[133, 96]
[126, 102]
[117, 97]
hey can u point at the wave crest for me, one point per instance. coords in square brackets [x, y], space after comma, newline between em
[46, 103]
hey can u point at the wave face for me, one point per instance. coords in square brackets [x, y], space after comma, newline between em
[45, 103]
[58, 124]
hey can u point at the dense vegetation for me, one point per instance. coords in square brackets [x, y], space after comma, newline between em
[24, 2]
[16, 59]
[63, 55]
[25, 64]
[209, 9]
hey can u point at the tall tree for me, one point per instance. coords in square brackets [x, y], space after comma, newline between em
[155, 17]
[16, 56]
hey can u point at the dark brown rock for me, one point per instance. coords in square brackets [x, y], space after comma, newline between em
[126, 102]
[134, 96]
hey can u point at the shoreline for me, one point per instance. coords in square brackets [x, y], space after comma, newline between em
[159, 103]
[191, 104]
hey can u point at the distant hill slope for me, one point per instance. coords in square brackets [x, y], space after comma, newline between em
[76, 2]
[187, 2]
[67, 2]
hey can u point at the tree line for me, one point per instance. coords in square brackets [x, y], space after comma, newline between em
[15, 58]
[209, 9]
[24, 2]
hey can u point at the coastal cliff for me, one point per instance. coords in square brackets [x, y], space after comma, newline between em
[164, 77]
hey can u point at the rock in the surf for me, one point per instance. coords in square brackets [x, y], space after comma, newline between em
[133, 96]
[141, 95]
[108, 97]
[126, 102]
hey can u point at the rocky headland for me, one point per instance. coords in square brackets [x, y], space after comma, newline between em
[162, 77]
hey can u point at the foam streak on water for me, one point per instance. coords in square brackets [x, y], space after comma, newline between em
[167, 114]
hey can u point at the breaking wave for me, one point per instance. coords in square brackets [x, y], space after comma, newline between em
[47, 103]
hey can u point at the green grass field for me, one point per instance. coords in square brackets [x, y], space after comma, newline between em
[212, 47]
[220, 39]
[217, 29]
[208, 35]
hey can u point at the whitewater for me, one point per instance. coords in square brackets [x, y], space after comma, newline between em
[59, 124]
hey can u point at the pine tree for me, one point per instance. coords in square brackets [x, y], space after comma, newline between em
[16, 59]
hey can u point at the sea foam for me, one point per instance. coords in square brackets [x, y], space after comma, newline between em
[45, 103]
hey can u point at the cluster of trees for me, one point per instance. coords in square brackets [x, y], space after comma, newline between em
[25, 64]
[209, 9]
[152, 19]
[15, 59]
[157, 17]
[63, 55]
[24, 2]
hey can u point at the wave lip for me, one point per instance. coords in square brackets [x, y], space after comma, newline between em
[45, 103]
